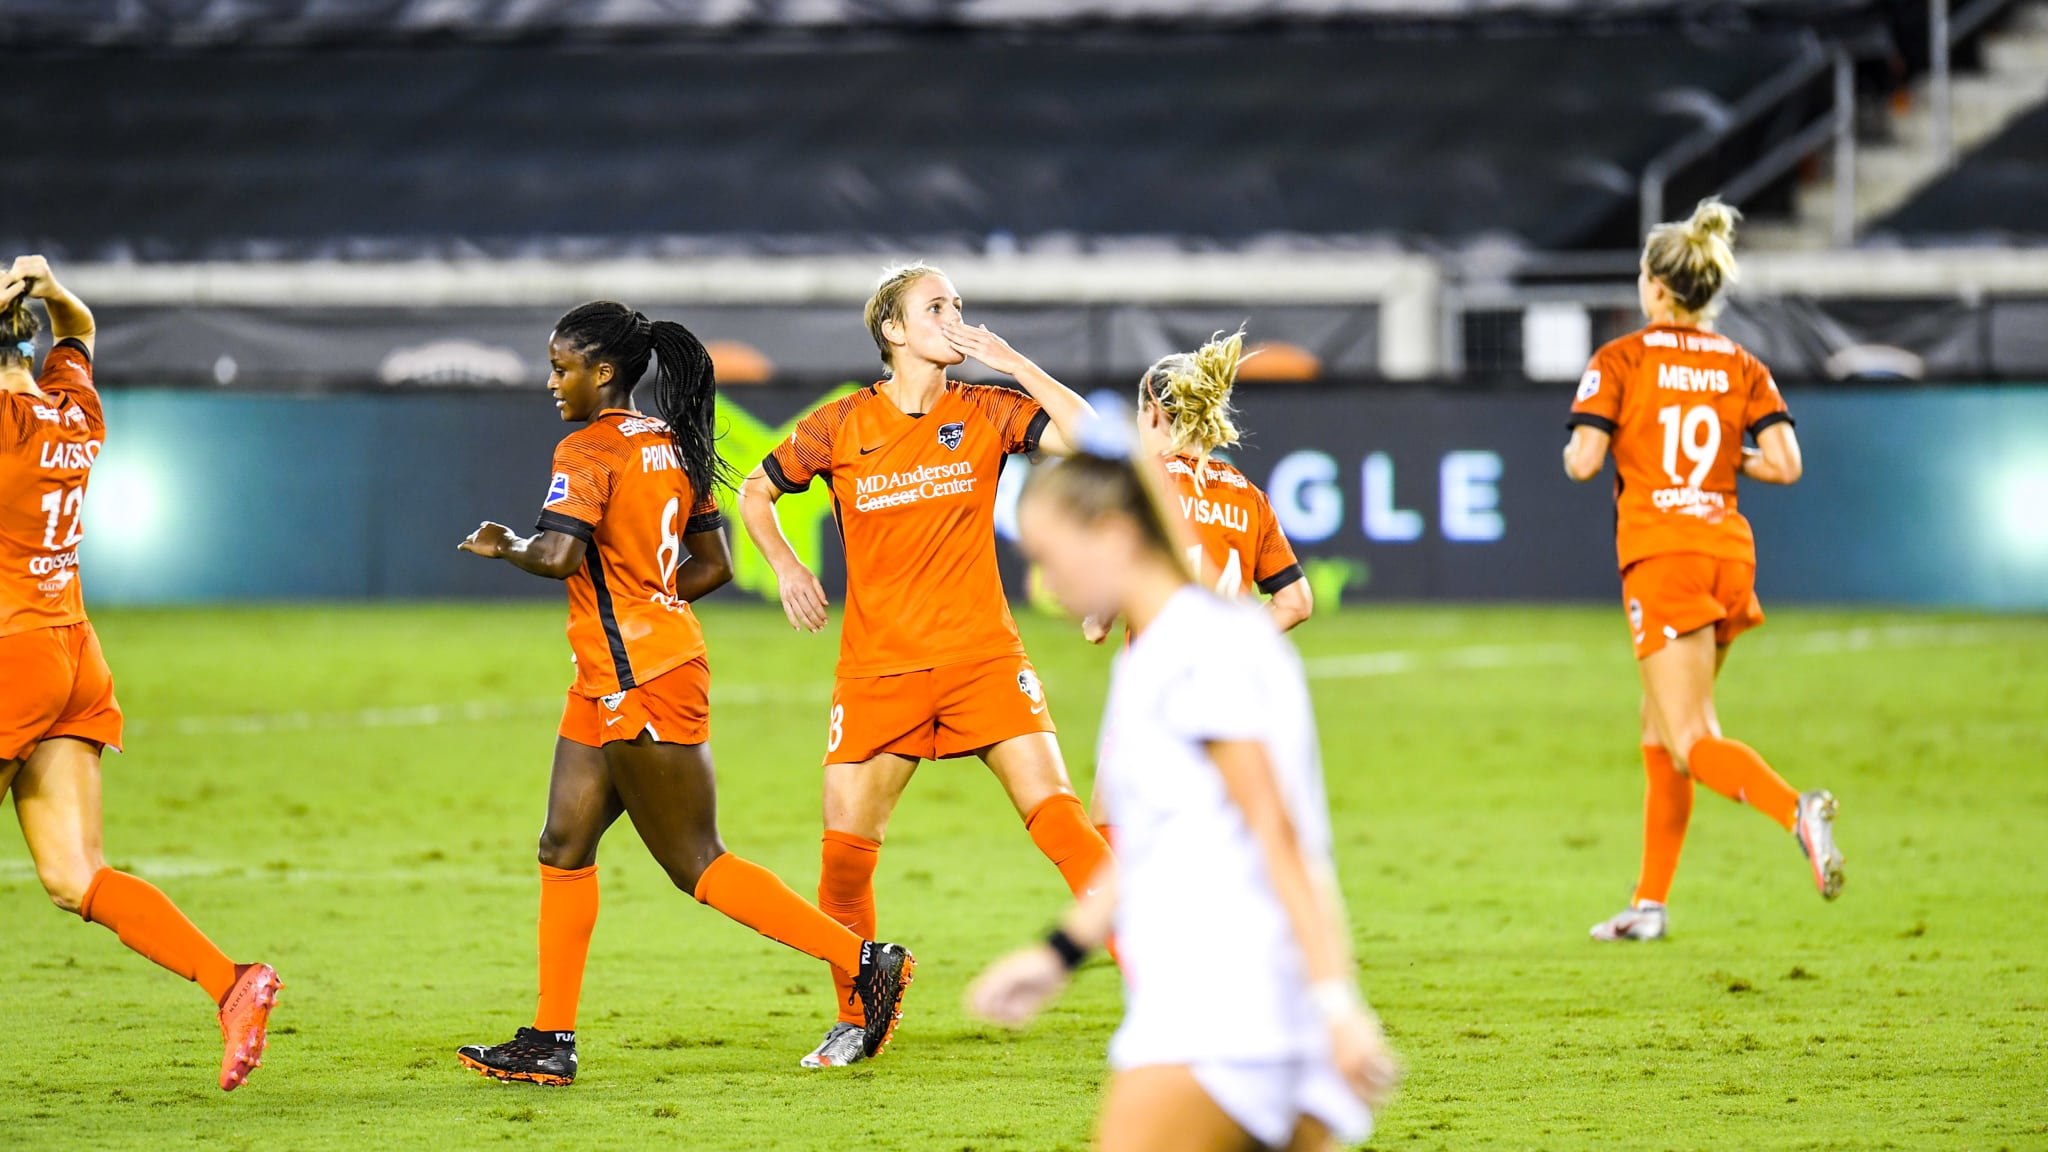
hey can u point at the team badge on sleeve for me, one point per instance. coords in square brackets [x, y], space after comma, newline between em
[558, 488]
[1589, 384]
[951, 434]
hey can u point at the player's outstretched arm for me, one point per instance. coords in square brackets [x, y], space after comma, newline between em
[552, 554]
[1065, 410]
[803, 597]
[70, 319]
[1775, 459]
[1013, 990]
[1586, 452]
[1359, 1048]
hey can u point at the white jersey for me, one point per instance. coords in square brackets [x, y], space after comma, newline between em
[1197, 918]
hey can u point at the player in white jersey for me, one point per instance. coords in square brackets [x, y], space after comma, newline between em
[1209, 764]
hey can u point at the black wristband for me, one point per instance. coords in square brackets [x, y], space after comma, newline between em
[1070, 953]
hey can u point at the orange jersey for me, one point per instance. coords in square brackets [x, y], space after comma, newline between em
[915, 500]
[620, 488]
[1237, 536]
[47, 447]
[1678, 402]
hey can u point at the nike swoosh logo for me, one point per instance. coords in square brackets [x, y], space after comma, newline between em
[613, 720]
[1037, 710]
[876, 448]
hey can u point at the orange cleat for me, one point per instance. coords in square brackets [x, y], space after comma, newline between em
[245, 1023]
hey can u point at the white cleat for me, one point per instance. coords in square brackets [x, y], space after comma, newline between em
[1644, 920]
[843, 1044]
[1815, 828]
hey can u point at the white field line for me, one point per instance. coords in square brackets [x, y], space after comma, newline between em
[175, 868]
[428, 715]
[1387, 662]
[1821, 642]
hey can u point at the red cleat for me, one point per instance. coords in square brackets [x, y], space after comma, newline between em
[245, 1023]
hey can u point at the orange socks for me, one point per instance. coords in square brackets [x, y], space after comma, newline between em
[1667, 809]
[147, 921]
[756, 897]
[1734, 769]
[568, 915]
[846, 893]
[1060, 828]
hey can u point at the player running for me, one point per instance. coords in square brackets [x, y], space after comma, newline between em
[1674, 401]
[1223, 884]
[1184, 414]
[57, 710]
[631, 524]
[930, 664]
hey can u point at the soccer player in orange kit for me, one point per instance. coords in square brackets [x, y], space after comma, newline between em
[1184, 414]
[631, 524]
[1673, 402]
[930, 663]
[58, 711]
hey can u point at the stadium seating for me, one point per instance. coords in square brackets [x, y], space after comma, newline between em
[1996, 194]
[1536, 138]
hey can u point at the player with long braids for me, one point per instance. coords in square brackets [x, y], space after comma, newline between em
[57, 706]
[631, 523]
[1673, 402]
[930, 663]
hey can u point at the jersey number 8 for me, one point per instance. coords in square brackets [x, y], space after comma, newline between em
[1682, 433]
[670, 554]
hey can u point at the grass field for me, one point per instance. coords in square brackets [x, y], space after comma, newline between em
[353, 794]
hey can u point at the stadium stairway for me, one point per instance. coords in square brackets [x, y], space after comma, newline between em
[1890, 171]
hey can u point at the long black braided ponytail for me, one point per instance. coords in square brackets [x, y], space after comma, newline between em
[685, 387]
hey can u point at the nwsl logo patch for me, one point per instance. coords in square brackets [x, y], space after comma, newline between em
[951, 435]
[558, 488]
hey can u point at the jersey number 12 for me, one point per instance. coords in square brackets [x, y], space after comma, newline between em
[61, 502]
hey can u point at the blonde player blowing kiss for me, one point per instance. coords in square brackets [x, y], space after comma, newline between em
[1210, 767]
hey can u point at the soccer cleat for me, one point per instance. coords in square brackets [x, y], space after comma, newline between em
[1815, 827]
[245, 1023]
[1643, 920]
[534, 1057]
[843, 1045]
[886, 971]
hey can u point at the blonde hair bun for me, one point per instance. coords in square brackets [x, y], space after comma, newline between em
[1695, 259]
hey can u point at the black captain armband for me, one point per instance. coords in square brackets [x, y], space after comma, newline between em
[1070, 953]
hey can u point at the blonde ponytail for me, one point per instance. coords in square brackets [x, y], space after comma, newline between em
[1695, 259]
[1193, 390]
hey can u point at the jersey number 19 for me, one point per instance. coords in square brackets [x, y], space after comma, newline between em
[1682, 428]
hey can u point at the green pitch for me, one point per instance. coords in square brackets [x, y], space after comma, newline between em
[353, 795]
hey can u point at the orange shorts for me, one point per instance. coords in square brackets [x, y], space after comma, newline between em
[1669, 596]
[674, 706]
[58, 684]
[950, 710]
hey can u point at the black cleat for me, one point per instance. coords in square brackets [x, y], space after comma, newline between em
[886, 971]
[535, 1057]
